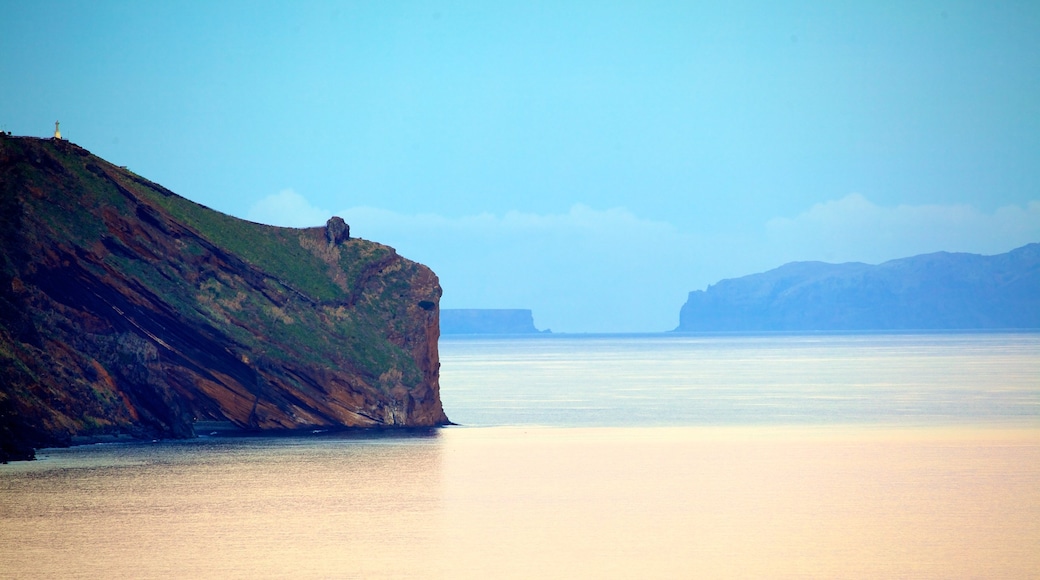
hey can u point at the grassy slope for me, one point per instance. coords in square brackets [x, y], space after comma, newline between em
[315, 324]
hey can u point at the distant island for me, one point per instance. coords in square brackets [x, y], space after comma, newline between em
[127, 310]
[940, 291]
[487, 321]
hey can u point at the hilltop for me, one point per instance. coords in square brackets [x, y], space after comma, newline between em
[128, 310]
[940, 291]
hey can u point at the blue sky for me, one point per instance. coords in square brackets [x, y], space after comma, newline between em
[592, 161]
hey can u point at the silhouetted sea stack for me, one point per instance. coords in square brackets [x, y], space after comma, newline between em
[487, 321]
[127, 310]
[941, 291]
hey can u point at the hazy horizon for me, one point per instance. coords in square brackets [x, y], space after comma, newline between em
[591, 163]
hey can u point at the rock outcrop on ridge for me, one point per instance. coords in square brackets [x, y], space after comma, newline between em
[940, 291]
[127, 310]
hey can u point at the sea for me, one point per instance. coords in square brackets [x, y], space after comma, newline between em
[590, 456]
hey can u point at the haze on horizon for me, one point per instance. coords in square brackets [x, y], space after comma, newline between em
[591, 162]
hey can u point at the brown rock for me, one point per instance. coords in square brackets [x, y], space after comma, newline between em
[337, 231]
[126, 309]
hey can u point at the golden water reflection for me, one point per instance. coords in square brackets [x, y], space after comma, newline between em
[744, 502]
[541, 502]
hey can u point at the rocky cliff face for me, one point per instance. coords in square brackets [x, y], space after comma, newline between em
[128, 310]
[928, 292]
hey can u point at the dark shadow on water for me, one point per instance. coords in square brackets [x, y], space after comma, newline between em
[221, 430]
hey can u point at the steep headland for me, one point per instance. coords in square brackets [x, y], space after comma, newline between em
[941, 291]
[127, 310]
[487, 321]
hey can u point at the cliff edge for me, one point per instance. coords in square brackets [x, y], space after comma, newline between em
[127, 310]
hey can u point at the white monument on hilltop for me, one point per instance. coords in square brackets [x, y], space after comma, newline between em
[57, 133]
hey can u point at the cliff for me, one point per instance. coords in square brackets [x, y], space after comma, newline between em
[941, 291]
[487, 321]
[126, 309]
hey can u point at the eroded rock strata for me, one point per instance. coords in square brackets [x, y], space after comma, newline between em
[126, 309]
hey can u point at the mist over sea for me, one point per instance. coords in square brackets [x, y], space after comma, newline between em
[662, 456]
[743, 380]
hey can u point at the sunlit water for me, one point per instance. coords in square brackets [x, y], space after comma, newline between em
[668, 457]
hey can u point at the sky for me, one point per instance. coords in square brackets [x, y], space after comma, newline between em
[594, 161]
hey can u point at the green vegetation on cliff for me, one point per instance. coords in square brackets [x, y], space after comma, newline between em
[127, 309]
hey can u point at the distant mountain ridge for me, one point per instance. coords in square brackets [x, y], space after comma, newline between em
[940, 291]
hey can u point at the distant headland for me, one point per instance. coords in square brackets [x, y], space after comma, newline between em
[940, 291]
[487, 321]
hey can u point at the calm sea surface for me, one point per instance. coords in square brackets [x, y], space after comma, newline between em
[590, 457]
